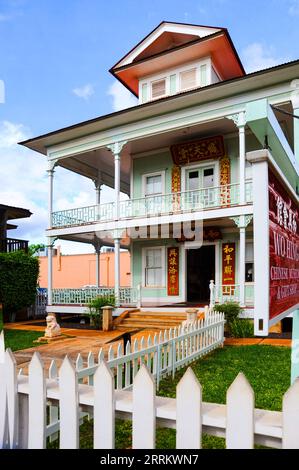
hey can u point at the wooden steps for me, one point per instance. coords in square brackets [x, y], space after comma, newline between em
[151, 320]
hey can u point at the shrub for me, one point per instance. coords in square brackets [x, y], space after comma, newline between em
[95, 308]
[18, 280]
[241, 328]
[231, 310]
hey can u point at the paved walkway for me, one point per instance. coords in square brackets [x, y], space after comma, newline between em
[252, 341]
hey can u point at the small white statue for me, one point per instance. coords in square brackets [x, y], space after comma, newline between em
[53, 329]
[191, 318]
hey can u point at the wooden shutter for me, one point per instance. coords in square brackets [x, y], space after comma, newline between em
[188, 79]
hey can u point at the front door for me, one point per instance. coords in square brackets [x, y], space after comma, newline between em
[201, 182]
[200, 271]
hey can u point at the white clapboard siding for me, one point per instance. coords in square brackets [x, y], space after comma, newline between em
[37, 404]
[104, 408]
[240, 414]
[188, 412]
[69, 406]
[144, 411]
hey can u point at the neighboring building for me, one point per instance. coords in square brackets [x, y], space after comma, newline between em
[207, 143]
[67, 275]
[7, 243]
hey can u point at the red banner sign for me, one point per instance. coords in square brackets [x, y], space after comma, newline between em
[228, 263]
[284, 248]
[173, 271]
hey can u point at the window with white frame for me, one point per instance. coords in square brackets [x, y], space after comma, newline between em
[153, 185]
[158, 88]
[249, 262]
[154, 261]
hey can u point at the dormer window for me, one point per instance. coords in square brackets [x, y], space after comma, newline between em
[158, 88]
[188, 79]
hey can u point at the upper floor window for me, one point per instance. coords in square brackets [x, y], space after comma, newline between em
[188, 79]
[158, 88]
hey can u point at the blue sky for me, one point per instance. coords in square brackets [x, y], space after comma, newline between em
[54, 61]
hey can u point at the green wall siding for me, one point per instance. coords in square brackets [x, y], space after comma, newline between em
[151, 164]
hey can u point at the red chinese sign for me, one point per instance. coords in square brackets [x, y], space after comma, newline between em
[228, 263]
[225, 181]
[176, 187]
[203, 149]
[173, 271]
[284, 248]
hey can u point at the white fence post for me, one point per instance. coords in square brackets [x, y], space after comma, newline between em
[10, 372]
[290, 417]
[69, 406]
[53, 410]
[37, 404]
[3, 400]
[188, 412]
[144, 411]
[104, 408]
[240, 414]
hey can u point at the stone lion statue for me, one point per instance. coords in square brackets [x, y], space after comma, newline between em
[53, 329]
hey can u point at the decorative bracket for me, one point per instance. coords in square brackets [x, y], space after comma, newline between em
[117, 147]
[242, 221]
[51, 165]
[239, 119]
[295, 93]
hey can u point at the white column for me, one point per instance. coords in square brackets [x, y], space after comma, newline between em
[259, 160]
[117, 183]
[117, 270]
[242, 249]
[295, 103]
[98, 264]
[50, 270]
[50, 193]
[242, 156]
[50, 240]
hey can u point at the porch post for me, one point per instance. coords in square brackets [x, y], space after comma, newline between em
[295, 347]
[242, 156]
[116, 150]
[240, 122]
[98, 188]
[242, 222]
[50, 270]
[117, 270]
[98, 247]
[50, 239]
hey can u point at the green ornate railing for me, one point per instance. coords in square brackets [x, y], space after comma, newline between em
[227, 293]
[128, 295]
[187, 201]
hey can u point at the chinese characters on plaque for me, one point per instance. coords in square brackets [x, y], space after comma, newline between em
[203, 149]
[228, 263]
[284, 248]
[173, 271]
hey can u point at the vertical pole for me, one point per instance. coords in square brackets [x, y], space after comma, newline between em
[98, 266]
[242, 156]
[117, 270]
[117, 183]
[50, 240]
[295, 103]
[295, 347]
[242, 249]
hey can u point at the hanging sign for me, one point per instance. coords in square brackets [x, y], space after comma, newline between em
[228, 263]
[203, 149]
[284, 248]
[173, 271]
[225, 181]
[176, 187]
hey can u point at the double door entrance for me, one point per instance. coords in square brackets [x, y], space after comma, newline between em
[200, 271]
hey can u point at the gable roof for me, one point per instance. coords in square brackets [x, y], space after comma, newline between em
[177, 41]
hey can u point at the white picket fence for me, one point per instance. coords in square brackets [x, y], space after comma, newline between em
[24, 422]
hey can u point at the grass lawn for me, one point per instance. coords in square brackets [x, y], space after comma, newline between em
[18, 339]
[266, 367]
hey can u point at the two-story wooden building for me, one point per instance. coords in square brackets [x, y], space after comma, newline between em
[204, 158]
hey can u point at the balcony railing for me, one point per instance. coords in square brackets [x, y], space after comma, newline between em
[231, 292]
[8, 245]
[127, 295]
[187, 201]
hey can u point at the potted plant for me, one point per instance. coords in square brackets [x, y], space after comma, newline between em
[95, 308]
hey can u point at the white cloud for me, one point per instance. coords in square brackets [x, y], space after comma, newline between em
[84, 92]
[23, 183]
[121, 97]
[257, 56]
[294, 8]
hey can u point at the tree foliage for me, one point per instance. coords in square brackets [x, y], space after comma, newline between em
[18, 280]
